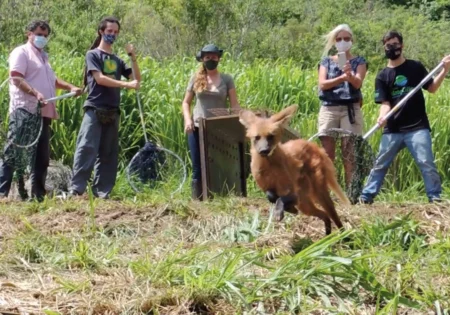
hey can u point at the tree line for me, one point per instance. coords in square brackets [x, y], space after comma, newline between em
[246, 29]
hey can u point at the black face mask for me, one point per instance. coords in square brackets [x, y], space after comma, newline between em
[393, 53]
[211, 64]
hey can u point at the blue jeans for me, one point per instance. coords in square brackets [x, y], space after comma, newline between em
[194, 149]
[419, 145]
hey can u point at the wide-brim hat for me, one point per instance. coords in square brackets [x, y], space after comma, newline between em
[210, 48]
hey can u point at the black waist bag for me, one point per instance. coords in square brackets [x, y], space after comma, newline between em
[351, 113]
[107, 116]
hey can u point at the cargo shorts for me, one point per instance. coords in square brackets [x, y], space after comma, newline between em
[336, 116]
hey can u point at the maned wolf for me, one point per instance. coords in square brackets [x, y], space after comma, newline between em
[295, 174]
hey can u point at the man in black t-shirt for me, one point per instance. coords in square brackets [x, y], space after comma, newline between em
[409, 126]
[98, 139]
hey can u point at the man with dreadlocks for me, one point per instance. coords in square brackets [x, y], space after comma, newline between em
[98, 142]
[32, 81]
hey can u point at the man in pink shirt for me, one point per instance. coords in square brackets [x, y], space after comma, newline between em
[32, 80]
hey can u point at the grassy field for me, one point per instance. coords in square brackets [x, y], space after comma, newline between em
[146, 254]
[159, 256]
[262, 84]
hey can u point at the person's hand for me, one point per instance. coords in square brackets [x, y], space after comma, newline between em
[347, 68]
[188, 125]
[40, 98]
[130, 50]
[344, 77]
[446, 61]
[348, 72]
[381, 121]
[135, 84]
[76, 90]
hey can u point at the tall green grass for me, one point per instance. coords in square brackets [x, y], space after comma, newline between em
[164, 254]
[260, 84]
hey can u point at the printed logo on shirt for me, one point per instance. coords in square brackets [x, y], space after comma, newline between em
[400, 89]
[401, 80]
[109, 66]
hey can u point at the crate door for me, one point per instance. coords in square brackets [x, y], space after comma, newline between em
[222, 153]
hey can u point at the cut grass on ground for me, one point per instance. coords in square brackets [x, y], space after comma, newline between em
[221, 257]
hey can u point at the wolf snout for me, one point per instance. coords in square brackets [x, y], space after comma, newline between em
[264, 152]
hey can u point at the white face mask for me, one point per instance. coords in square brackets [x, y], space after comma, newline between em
[343, 45]
[40, 41]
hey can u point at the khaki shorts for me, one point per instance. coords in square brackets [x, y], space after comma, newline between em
[337, 117]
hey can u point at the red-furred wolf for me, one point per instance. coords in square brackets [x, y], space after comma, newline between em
[294, 175]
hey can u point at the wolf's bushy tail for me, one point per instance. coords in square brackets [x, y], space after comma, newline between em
[337, 189]
[333, 183]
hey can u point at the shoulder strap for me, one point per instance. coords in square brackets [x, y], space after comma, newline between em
[227, 82]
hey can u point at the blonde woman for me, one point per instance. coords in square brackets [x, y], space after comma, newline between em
[212, 89]
[340, 92]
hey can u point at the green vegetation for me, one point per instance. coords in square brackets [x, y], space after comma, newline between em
[260, 84]
[147, 254]
[272, 49]
[156, 256]
[247, 29]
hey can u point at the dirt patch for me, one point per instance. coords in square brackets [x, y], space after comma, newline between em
[8, 225]
[198, 219]
[297, 232]
[70, 293]
[433, 217]
[52, 291]
[109, 216]
[56, 222]
[181, 303]
[28, 288]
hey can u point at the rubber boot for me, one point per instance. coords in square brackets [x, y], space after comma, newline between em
[197, 190]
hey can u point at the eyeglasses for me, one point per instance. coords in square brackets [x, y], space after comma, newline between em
[347, 39]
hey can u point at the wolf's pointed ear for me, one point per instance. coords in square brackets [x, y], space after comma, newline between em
[246, 117]
[283, 117]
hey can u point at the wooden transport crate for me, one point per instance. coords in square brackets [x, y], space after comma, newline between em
[224, 153]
